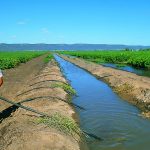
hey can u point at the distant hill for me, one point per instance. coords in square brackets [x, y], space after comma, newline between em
[14, 47]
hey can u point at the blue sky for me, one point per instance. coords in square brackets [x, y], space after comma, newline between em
[75, 21]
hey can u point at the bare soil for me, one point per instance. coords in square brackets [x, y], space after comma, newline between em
[20, 131]
[131, 87]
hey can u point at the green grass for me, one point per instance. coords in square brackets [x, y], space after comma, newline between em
[48, 58]
[12, 59]
[120, 65]
[66, 88]
[62, 123]
[139, 59]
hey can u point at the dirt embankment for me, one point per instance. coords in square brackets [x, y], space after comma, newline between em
[131, 87]
[25, 130]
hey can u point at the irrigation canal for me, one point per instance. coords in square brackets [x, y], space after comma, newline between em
[141, 72]
[138, 71]
[116, 121]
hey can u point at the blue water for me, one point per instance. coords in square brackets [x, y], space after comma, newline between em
[141, 72]
[116, 121]
[138, 71]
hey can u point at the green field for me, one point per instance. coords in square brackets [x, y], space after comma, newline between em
[140, 59]
[12, 59]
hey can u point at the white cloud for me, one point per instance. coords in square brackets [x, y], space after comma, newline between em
[22, 22]
[45, 30]
[13, 36]
[61, 37]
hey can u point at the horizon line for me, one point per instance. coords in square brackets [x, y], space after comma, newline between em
[77, 44]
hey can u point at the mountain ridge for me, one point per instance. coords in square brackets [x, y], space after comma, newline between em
[43, 46]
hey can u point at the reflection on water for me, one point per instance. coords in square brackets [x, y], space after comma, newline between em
[106, 115]
[141, 72]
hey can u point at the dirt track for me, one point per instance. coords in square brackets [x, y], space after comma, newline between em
[131, 87]
[21, 131]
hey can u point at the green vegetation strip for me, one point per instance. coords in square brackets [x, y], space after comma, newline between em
[62, 123]
[48, 58]
[133, 58]
[66, 88]
[12, 59]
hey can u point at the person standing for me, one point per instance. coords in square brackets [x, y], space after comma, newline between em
[1, 78]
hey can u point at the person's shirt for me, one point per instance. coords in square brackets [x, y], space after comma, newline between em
[1, 73]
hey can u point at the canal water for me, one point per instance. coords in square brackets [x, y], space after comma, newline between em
[138, 71]
[141, 72]
[116, 121]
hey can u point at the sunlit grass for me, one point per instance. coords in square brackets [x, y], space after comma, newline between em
[62, 123]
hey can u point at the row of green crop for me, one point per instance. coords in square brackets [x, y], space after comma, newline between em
[13, 59]
[134, 58]
[48, 58]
